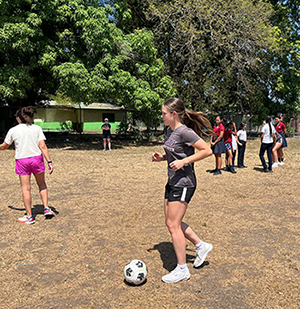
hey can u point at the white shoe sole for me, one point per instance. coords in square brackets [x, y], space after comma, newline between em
[198, 262]
[175, 281]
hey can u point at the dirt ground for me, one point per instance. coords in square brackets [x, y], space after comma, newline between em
[109, 208]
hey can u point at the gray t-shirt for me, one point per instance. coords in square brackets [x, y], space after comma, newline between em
[177, 147]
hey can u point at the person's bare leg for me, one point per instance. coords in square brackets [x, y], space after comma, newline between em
[40, 180]
[26, 193]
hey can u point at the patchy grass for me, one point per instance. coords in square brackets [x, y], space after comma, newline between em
[110, 210]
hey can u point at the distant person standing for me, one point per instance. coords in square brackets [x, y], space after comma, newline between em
[268, 138]
[106, 134]
[217, 144]
[275, 149]
[242, 141]
[30, 148]
[229, 132]
[280, 127]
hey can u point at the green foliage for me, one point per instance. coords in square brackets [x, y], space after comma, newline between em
[225, 56]
[71, 49]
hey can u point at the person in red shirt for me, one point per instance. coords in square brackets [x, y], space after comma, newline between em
[217, 144]
[230, 129]
[280, 127]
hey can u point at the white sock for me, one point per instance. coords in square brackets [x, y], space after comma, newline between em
[182, 268]
[199, 245]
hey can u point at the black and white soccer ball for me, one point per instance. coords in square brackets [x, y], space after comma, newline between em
[135, 272]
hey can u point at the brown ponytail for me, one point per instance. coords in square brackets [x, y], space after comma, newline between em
[192, 119]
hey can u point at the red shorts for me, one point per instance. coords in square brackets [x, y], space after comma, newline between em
[30, 165]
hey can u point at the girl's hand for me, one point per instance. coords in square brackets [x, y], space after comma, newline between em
[50, 168]
[157, 157]
[177, 165]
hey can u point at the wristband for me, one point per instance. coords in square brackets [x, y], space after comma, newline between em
[49, 162]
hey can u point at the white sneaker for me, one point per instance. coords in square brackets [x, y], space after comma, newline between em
[104, 149]
[176, 275]
[275, 164]
[202, 254]
[26, 220]
[281, 163]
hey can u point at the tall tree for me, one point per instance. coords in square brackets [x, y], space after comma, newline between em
[224, 55]
[72, 48]
[286, 64]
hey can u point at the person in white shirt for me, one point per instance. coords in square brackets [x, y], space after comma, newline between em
[242, 140]
[268, 138]
[30, 148]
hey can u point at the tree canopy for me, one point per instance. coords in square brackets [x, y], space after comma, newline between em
[73, 49]
[225, 56]
[239, 56]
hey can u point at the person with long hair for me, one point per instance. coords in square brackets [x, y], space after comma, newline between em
[30, 148]
[217, 144]
[280, 127]
[275, 149]
[268, 138]
[182, 138]
[229, 132]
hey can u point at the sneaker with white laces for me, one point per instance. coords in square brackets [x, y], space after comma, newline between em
[26, 220]
[202, 253]
[48, 212]
[176, 275]
[275, 164]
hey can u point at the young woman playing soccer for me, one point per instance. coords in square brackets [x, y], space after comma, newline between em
[280, 127]
[30, 148]
[182, 138]
[217, 144]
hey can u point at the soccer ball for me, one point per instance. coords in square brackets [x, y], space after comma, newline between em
[135, 272]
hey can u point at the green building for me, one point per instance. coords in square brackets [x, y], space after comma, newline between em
[54, 117]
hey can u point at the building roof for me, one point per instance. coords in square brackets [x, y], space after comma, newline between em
[95, 105]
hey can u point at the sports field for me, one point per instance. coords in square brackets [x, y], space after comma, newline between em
[110, 210]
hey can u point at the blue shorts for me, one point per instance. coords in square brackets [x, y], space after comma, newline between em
[228, 146]
[175, 194]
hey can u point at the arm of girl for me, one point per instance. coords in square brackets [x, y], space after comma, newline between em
[219, 138]
[274, 138]
[261, 137]
[157, 157]
[4, 146]
[203, 152]
[45, 153]
[234, 129]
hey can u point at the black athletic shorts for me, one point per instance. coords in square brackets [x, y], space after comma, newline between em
[174, 194]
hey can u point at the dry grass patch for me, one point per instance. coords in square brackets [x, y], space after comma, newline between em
[110, 210]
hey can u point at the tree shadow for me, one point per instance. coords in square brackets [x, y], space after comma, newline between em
[168, 256]
[37, 209]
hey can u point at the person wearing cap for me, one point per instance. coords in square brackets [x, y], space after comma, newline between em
[106, 134]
